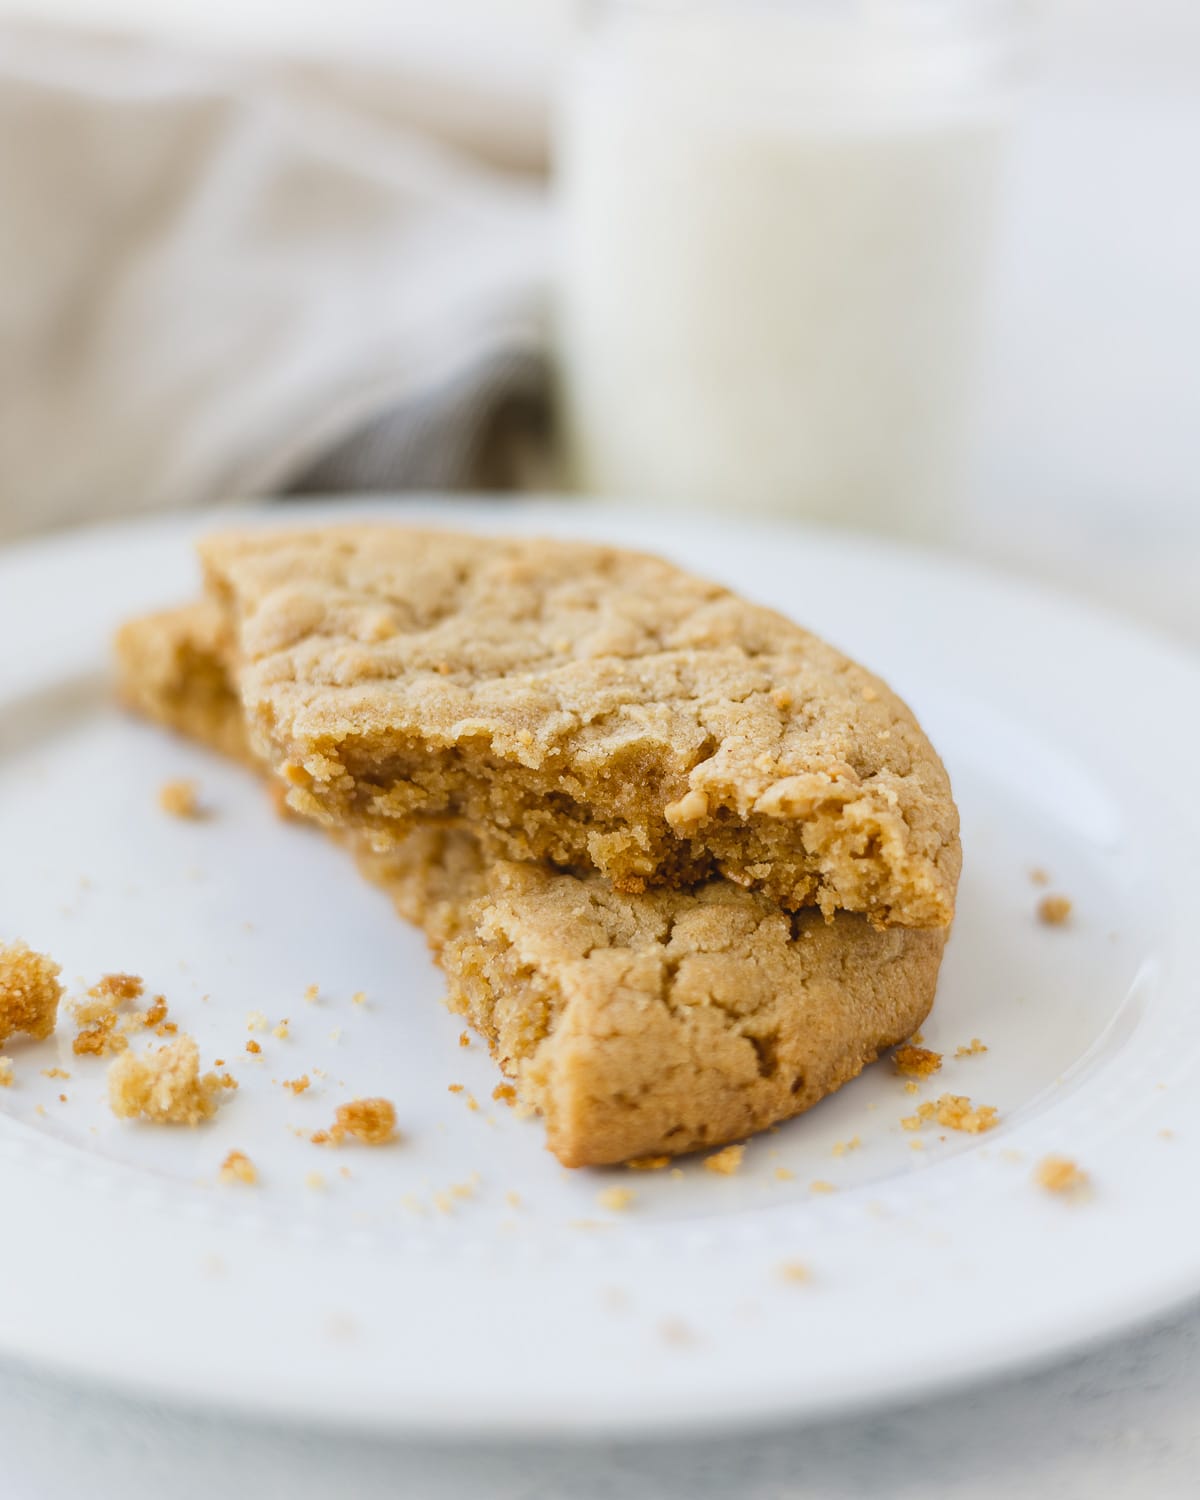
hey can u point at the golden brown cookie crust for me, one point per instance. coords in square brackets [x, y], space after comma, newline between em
[588, 706]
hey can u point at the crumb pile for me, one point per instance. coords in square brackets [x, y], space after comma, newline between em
[955, 1112]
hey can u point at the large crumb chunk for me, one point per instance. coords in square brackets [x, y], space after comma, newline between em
[164, 1085]
[726, 1162]
[29, 992]
[1054, 911]
[916, 1062]
[372, 1121]
[1059, 1174]
[180, 799]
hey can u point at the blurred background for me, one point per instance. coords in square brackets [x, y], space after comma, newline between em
[924, 268]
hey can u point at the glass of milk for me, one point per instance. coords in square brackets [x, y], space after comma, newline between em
[775, 222]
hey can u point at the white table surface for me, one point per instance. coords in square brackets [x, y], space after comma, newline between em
[1089, 477]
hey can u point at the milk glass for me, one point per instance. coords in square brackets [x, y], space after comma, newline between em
[775, 223]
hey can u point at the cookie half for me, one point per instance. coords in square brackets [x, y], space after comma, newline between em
[590, 707]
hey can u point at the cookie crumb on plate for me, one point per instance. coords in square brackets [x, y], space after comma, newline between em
[6, 1072]
[973, 1048]
[180, 798]
[29, 992]
[164, 1085]
[616, 1199]
[795, 1271]
[1054, 911]
[1059, 1174]
[372, 1121]
[726, 1162]
[956, 1112]
[916, 1062]
[237, 1167]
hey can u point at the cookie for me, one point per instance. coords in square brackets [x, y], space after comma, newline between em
[594, 708]
[636, 1024]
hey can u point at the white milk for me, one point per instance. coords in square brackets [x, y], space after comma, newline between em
[775, 221]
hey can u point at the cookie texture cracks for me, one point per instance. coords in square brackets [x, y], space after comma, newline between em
[590, 707]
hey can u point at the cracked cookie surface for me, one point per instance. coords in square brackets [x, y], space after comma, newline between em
[587, 706]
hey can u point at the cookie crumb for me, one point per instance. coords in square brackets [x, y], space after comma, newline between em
[616, 1199]
[916, 1062]
[313, 993]
[1054, 911]
[464, 1039]
[314, 1181]
[256, 1021]
[359, 997]
[55, 1073]
[821, 1187]
[841, 1147]
[1059, 1174]
[973, 1048]
[237, 1167]
[29, 992]
[513, 1199]
[648, 1163]
[784, 1174]
[726, 1162]
[6, 1072]
[1039, 876]
[454, 1088]
[504, 1093]
[281, 1032]
[372, 1121]
[795, 1271]
[163, 1086]
[297, 1085]
[253, 1048]
[956, 1112]
[98, 1016]
[180, 798]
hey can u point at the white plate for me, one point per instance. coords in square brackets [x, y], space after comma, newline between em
[1070, 740]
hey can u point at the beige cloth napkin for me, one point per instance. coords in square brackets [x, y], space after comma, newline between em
[221, 278]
